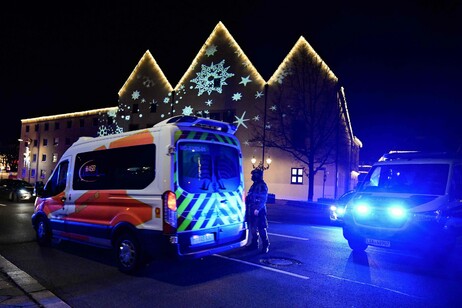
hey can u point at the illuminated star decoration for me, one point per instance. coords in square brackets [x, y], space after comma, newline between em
[240, 121]
[209, 102]
[187, 110]
[245, 80]
[273, 108]
[211, 50]
[258, 94]
[256, 118]
[237, 96]
[211, 78]
[135, 95]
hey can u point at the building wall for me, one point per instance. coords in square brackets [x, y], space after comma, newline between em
[221, 83]
[45, 139]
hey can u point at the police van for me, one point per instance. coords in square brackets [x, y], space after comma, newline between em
[176, 188]
[408, 200]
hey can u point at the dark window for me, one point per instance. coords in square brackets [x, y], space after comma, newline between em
[132, 127]
[45, 142]
[44, 157]
[56, 125]
[34, 157]
[47, 126]
[120, 168]
[69, 124]
[57, 182]
[81, 122]
[214, 116]
[153, 107]
[36, 127]
[35, 142]
[27, 128]
[228, 116]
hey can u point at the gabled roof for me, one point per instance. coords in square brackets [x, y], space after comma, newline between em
[300, 46]
[209, 48]
[147, 62]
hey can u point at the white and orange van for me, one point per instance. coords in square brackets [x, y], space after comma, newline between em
[177, 187]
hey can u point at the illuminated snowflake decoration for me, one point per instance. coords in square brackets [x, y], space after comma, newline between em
[245, 80]
[112, 113]
[102, 131]
[237, 96]
[148, 82]
[135, 95]
[187, 110]
[240, 121]
[273, 108]
[166, 100]
[209, 102]
[211, 50]
[259, 94]
[212, 78]
[256, 118]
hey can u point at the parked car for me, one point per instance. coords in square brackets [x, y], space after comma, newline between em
[337, 209]
[16, 190]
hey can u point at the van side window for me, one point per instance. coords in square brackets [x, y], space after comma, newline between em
[120, 168]
[57, 183]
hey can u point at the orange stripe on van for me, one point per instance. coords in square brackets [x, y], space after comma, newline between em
[143, 137]
[109, 207]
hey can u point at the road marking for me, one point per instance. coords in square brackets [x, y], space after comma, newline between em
[288, 236]
[375, 286]
[263, 267]
[1, 204]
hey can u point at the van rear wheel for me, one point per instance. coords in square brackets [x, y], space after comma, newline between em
[128, 253]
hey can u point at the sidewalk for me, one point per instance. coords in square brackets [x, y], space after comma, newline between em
[18, 289]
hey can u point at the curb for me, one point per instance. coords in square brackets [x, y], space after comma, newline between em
[38, 293]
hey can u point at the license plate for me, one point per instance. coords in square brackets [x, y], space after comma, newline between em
[203, 238]
[381, 243]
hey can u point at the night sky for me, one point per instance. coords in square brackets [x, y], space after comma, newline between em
[400, 64]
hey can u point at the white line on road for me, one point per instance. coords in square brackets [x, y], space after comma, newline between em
[375, 286]
[288, 236]
[263, 267]
[1, 204]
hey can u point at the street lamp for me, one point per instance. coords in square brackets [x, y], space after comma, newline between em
[260, 165]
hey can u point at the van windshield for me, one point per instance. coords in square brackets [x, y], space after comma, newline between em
[407, 178]
[205, 167]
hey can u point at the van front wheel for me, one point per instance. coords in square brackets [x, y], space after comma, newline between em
[43, 231]
[128, 253]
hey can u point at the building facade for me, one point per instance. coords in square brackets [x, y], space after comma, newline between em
[221, 83]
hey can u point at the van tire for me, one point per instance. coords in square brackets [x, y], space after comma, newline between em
[128, 253]
[43, 231]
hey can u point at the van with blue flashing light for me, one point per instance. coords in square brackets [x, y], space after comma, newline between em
[174, 189]
[408, 200]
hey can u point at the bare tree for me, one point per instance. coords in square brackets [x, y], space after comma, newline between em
[303, 114]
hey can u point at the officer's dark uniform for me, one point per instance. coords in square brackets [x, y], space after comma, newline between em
[256, 211]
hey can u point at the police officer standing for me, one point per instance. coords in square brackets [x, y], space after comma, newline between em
[256, 211]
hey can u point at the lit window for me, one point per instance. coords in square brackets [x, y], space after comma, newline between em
[55, 157]
[296, 176]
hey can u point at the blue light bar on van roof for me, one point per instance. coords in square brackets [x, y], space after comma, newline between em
[203, 123]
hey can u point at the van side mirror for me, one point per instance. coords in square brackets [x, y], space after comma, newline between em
[38, 188]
